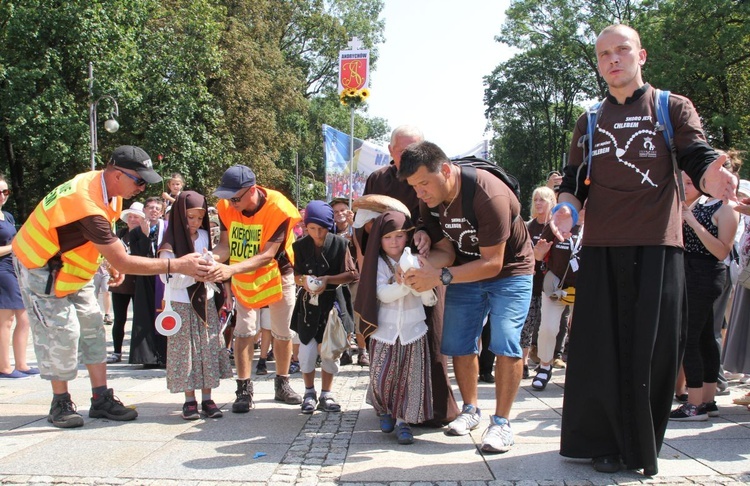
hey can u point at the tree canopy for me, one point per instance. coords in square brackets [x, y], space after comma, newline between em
[200, 84]
[697, 48]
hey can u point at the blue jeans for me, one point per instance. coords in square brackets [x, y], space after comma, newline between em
[506, 301]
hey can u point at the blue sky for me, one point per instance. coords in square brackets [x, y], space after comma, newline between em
[430, 68]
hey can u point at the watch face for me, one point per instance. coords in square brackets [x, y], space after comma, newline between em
[446, 276]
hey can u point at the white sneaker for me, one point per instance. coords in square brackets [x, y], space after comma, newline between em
[467, 421]
[498, 437]
[745, 379]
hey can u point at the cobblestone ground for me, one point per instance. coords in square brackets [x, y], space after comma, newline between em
[317, 455]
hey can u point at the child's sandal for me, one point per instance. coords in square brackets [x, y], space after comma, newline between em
[328, 404]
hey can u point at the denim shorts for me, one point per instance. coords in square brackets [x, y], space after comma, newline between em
[506, 301]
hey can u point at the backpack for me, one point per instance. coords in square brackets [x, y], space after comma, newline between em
[469, 166]
[663, 125]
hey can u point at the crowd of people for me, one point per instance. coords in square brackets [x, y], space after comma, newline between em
[435, 262]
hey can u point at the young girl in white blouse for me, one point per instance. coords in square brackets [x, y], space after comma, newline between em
[400, 388]
[196, 358]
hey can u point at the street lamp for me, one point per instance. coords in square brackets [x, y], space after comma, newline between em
[310, 186]
[110, 125]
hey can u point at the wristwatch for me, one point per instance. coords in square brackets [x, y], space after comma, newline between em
[446, 276]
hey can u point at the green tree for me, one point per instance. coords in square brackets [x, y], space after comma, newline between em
[43, 84]
[701, 49]
[175, 116]
[532, 104]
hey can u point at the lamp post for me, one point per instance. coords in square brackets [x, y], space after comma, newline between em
[309, 186]
[110, 125]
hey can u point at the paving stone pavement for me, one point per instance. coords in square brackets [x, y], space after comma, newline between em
[275, 444]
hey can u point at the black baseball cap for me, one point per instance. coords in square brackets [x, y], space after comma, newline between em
[235, 178]
[135, 158]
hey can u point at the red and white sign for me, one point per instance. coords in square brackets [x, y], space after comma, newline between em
[354, 67]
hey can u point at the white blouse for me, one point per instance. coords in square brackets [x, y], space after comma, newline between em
[400, 308]
[178, 282]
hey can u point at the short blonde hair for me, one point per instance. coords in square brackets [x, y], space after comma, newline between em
[545, 193]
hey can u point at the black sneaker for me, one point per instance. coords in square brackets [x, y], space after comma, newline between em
[525, 375]
[284, 392]
[190, 411]
[109, 406]
[345, 359]
[244, 401]
[688, 412]
[270, 357]
[210, 409]
[487, 378]
[261, 369]
[709, 408]
[63, 413]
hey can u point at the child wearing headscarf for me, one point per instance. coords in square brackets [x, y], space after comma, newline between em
[325, 256]
[196, 358]
[392, 314]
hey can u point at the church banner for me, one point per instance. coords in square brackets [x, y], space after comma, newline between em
[354, 67]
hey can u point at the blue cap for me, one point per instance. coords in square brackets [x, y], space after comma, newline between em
[234, 179]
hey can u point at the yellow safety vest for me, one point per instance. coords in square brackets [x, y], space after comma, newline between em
[247, 238]
[37, 240]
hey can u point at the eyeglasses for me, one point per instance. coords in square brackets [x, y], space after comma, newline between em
[5, 192]
[237, 199]
[137, 180]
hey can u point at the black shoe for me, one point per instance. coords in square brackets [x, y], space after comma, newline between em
[107, 405]
[190, 411]
[63, 413]
[710, 408]
[606, 464]
[244, 401]
[525, 372]
[345, 359]
[487, 378]
[261, 369]
[270, 357]
[210, 409]
[683, 398]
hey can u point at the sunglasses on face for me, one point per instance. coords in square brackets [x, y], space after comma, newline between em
[237, 199]
[136, 180]
[5, 192]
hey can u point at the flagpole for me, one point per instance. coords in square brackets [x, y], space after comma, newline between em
[351, 156]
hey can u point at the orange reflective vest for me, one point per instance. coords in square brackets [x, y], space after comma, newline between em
[37, 240]
[248, 235]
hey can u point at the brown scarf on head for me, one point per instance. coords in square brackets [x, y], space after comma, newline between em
[366, 304]
[177, 238]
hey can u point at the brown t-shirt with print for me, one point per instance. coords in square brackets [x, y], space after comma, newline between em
[497, 212]
[632, 196]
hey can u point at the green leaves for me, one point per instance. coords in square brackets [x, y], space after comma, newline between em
[204, 83]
